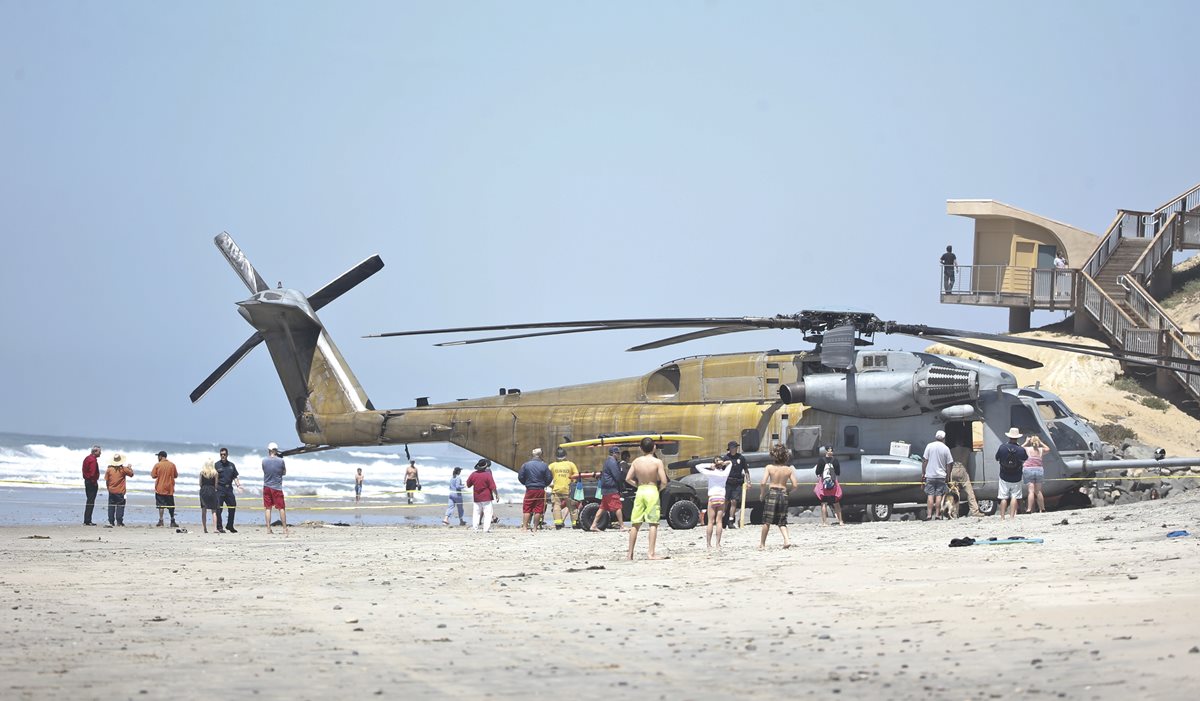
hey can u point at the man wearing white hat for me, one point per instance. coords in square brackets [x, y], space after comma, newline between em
[273, 471]
[1011, 457]
[936, 465]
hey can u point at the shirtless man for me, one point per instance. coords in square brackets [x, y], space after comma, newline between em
[412, 481]
[777, 480]
[650, 477]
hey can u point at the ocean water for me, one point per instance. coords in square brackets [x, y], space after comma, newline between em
[46, 469]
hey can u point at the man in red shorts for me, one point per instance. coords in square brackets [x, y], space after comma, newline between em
[536, 476]
[273, 472]
[610, 490]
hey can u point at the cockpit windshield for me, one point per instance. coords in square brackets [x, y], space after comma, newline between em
[1053, 418]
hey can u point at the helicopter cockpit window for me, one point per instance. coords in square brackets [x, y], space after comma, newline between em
[850, 437]
[1052, 410]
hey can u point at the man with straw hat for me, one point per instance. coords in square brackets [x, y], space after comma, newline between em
[1011, 457]
[114, 477]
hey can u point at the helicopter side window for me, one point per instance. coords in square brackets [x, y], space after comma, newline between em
[1023, 420]
[850, 437]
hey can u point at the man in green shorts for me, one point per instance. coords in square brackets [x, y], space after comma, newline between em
[649, 475]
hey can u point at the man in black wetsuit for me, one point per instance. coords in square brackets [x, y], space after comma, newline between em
[739, 472]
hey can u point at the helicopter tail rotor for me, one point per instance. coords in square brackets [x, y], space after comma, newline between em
[313, 372]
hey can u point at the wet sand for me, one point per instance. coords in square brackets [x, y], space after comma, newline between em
[1105, 608]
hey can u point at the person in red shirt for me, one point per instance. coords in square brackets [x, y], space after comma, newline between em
[483, 487]
[91, 483]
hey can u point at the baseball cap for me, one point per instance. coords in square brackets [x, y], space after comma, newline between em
[272, 446]
[939, 435]
[560, 453]
[732, 444]
[162, 453]
[613, 450]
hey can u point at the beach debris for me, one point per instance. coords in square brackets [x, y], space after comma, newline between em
[513, 576]
[1063, 522]
[37, 537]
[585, 569]
[352, 620]
[156, 619]
[1195, 649]
[1178, 534]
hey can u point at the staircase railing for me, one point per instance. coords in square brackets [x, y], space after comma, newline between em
[1146, 307]
[1183, 204]
[1144, 267]
[1176, 348]
[1107, 313]
[1127, 224]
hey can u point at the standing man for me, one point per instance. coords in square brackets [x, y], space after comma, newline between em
[935, 463]
[483, 493]
[650, 477]
[610, 490]
[960, 478]
[91, 483]
[948, 261]
[114, 477]
[227, 478]
[412, 481]
[535, 475]
[358, 482]
[1011, 457]
[565, 472]
[164, 475]
[739, 472]
[273, 472]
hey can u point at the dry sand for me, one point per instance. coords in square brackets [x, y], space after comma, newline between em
[1105, 608]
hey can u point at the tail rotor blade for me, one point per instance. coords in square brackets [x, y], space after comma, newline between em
[225, 367]
[240, 263]
[345, 282]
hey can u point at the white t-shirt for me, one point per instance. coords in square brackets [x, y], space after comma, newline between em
[938, 460]
[716, 478]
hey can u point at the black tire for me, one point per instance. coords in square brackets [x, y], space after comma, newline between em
[756, 515]
[588, 514]
[988, 507]
[683, 515]
[877, 512]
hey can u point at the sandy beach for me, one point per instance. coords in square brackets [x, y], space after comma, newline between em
[1104, 608]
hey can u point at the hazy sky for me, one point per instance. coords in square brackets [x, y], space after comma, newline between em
[529, 161]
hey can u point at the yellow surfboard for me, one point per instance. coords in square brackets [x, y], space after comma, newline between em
[630, 440]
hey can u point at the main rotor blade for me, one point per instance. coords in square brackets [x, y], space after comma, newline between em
[536, 334]
[240, 263]
[666, 323]
[1013, 359]
[345, 282]
[1127, 355]
[225, 367]
[694, 335]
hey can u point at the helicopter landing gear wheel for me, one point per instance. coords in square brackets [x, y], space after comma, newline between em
[587, 515]
[988, 507]
[683, 515]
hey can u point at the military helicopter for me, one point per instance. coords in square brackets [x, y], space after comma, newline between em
[875, 407]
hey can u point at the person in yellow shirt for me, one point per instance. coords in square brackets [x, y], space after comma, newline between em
[564, 472]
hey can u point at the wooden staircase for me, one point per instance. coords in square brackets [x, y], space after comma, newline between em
[1118, 264]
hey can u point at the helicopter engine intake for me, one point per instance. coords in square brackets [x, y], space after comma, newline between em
[885, 394]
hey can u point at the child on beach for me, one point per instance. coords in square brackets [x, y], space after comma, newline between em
[358, 482]
[456, 500]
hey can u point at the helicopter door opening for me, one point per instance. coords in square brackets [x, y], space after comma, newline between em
[961, 439]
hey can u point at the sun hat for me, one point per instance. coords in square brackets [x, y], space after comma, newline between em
[483, 464]
[117, 460]
[1013, 433]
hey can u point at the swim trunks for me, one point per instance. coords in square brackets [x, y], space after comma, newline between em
[534, 502]
[164, 501]
[775, 508]
[610, 502]
[645, 505]
[272, 498]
